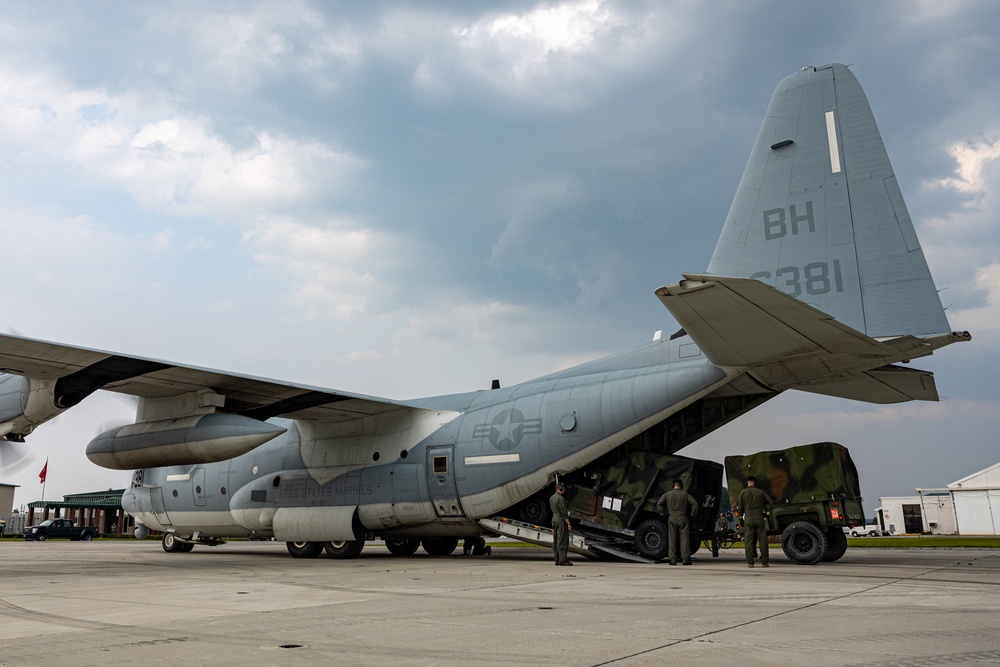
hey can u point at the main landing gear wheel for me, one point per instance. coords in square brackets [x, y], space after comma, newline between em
[170, 543]
[344, 549]
[304, 549]
[187, 547]
[804, 543]
[440, 546]
[651, 539]
[406, 546]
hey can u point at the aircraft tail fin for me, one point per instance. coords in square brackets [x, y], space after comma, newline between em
[818, 213]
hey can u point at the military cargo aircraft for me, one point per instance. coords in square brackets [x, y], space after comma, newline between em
[818, 283]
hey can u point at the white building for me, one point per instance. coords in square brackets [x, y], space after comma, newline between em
[901, 514]
[970, 506]
[938, 511]
[977, 502]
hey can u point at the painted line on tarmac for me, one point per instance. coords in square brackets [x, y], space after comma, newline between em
[781, 613]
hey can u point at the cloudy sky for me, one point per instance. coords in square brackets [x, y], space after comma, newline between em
[408, 199]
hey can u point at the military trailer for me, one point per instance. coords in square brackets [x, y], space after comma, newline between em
[816, 493]
[614, 505]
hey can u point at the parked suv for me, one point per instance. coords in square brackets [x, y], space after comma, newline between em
[53, 528]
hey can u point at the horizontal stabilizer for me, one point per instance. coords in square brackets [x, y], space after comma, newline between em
[889, 384]
[786, 344]
[743, 322]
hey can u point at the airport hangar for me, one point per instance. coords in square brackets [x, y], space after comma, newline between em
[968, 506]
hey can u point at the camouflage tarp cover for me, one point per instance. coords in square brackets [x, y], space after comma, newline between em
[797, 475]
[627, 481]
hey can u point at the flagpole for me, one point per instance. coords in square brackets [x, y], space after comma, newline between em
[46, 478]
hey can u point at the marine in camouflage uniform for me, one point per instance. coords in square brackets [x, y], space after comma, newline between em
[677, 504]
[754, 505]
[560, 525]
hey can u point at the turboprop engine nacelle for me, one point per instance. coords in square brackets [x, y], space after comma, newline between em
[182, 441]
[25, 403]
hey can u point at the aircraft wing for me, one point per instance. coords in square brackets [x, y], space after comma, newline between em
[78, 372]
[741, 322]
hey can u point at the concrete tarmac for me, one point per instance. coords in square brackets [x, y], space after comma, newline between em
[129, 603]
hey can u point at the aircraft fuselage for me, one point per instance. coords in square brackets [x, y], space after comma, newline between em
[428, 470]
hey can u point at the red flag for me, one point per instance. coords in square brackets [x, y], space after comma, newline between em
[41, 475]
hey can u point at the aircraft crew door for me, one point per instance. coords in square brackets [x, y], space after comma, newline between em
[198, 487]
[156, 502]
[441, 481]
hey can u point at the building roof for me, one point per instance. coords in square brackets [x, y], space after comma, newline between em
[13, 486]
[109, 498]
[986, 477]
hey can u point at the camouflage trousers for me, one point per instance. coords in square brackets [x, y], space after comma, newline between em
[560, 543]
[677, 527]
[755, 533]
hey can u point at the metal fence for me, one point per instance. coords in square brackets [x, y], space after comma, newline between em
[14, 524]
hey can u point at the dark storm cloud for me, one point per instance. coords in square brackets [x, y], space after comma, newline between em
[387, 184]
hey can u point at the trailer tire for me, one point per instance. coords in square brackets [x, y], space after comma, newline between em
[836, 545]
[804, 543]
[536, 511]
[651, 539]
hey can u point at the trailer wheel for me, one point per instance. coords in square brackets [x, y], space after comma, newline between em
[406, 546]
[651, 539]
[304, 549]
[535, 510]
[803, 543]
[836, 545]
[440, 546]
